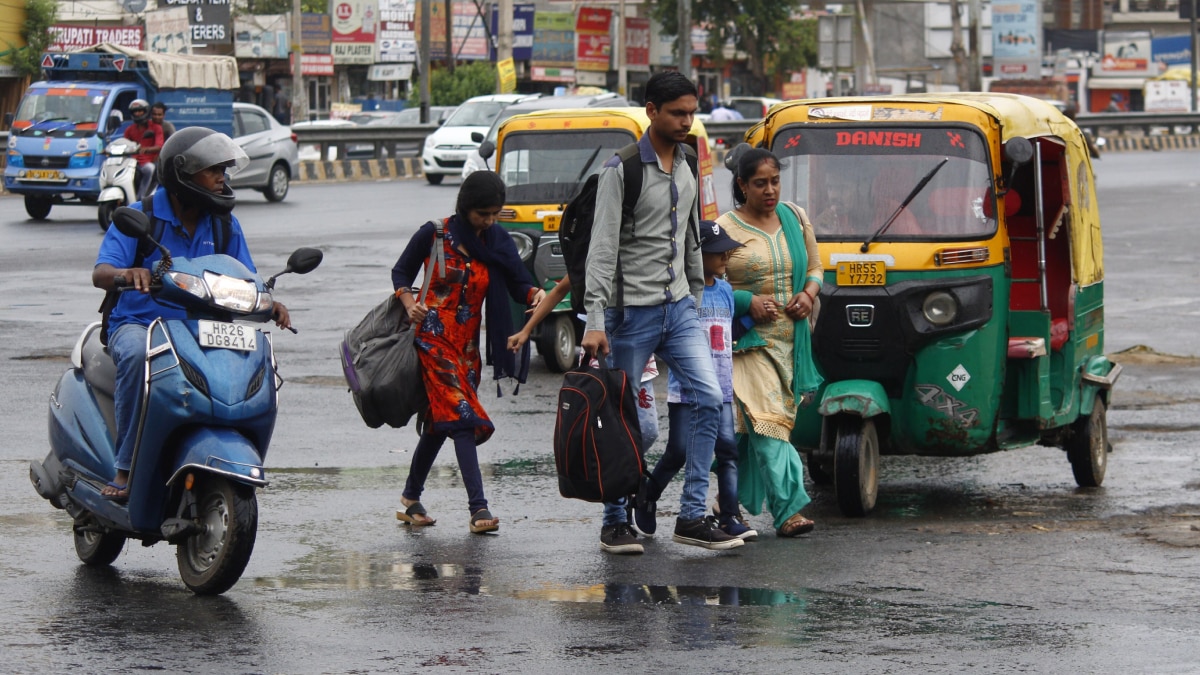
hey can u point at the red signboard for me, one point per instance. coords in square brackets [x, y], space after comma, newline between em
[69, 38]
[593, 41]
[637, 41]
[316, 65]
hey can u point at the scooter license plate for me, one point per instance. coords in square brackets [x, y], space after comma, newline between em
[42, 175]
[221, 335]
[861, 273]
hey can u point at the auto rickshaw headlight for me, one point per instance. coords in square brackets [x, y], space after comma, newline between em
[940, 308]
[524, 245]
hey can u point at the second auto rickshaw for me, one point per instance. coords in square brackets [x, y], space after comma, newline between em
[544, 157]
[963, 307]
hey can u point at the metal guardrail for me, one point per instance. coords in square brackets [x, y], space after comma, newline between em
[396, 141]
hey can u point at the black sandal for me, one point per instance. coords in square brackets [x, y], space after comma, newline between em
[480, 516]
[410, 514]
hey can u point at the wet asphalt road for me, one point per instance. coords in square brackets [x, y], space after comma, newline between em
[995, 563]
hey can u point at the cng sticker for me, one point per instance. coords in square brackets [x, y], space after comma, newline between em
[958, 377]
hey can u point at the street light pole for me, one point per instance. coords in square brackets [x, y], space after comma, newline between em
[685, 38]
[299, 94]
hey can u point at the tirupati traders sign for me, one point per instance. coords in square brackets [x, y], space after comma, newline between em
[1017, 39]
[67, 38]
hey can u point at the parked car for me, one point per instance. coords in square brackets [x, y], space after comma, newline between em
[475, 162]
[271, 147]
[446, 149]
[752, 107]
[403, 118]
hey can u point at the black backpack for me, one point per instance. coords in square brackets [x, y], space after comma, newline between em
[597, 438]
[222, 233]
[575, 229]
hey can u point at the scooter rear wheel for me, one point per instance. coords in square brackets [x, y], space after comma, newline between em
[212, 561]
[94, 547]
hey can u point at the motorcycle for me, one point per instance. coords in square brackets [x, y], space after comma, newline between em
[209, 407]
[118, 179]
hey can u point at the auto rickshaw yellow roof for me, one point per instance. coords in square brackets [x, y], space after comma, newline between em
[1013, 115]
[589, 118]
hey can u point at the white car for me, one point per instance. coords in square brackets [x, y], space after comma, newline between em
[447, 148]
[271, 147]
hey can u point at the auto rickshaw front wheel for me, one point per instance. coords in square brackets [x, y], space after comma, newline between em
[856, 465]
[1087, 446]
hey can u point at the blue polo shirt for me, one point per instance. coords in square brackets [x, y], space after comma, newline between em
[119, 251]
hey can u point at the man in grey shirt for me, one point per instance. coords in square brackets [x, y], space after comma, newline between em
[647, 304]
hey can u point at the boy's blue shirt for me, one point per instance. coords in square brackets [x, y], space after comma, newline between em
[716, 320]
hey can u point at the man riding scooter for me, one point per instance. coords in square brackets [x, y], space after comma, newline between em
[194, 201]
[149, 137]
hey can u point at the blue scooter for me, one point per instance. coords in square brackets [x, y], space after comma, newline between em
[209, 405]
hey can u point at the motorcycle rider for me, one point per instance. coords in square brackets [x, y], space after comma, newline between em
[191, 170]
[149, 137]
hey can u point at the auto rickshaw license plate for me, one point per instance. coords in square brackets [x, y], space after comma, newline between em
[551, 223]
[861, 273]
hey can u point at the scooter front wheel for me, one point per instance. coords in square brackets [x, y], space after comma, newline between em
[212, 560]
[95, 546]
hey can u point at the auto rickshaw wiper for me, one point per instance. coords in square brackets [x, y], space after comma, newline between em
[915, 191]
[586, 166]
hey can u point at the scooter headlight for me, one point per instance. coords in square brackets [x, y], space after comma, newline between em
[940, 308]
[265, 303]
[237, 295]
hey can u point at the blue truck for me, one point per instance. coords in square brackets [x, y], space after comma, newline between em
[58, 133]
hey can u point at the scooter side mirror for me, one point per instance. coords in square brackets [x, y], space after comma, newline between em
[304, 260]
[132, 223]
[487, 149]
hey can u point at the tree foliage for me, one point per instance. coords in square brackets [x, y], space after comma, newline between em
[40, 15]
[764, 30]
[446, 88]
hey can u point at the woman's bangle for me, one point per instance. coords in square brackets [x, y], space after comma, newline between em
[813, 296]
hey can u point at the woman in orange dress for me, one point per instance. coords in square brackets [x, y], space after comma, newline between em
[481, 262]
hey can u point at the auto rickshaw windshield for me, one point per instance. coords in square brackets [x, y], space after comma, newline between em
[547, 168]
[851, 181]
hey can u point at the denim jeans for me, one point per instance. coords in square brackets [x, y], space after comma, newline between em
[679, 416]
[467, 454]
[127, 346]
[672, 332]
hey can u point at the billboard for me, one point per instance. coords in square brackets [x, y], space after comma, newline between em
[353, 30]
[1017, 39]
[1125, 54]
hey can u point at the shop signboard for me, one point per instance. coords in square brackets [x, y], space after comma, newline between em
[315, 33]
[522, 29]
[260, 36]
[168, 31]
[209, 20]
[593, 48]
[69, 38]
[397, 31]
[353, 36]
[552, 58]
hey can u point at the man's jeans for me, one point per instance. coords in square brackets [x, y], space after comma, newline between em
[128, 349]
[672, 332]
[145, 178]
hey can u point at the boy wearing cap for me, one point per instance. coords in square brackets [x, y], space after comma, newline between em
[716, 319]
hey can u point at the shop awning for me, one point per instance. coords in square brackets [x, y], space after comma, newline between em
[1123, 83]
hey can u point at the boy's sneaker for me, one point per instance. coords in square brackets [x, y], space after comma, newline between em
[619, 539]
[645, 509]
[734, 526]
[704, 533]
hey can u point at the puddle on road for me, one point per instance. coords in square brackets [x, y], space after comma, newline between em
[632, 594]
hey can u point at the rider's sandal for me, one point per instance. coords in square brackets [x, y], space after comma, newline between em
[483, 521]
[118, 493]
[415, 514]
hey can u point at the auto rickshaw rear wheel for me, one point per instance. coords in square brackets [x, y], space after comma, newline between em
[1087, 446]
[856, 465]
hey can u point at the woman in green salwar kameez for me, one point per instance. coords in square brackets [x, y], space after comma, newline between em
[776, 276]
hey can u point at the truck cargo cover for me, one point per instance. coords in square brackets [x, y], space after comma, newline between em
[180, 71]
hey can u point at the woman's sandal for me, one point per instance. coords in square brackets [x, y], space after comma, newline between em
[415, 514]
[483, 521]
[796, 526]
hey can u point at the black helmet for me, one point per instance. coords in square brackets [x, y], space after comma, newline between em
[191, 150]
[139, 110]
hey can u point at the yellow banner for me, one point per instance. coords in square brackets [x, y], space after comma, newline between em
[508, 76]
